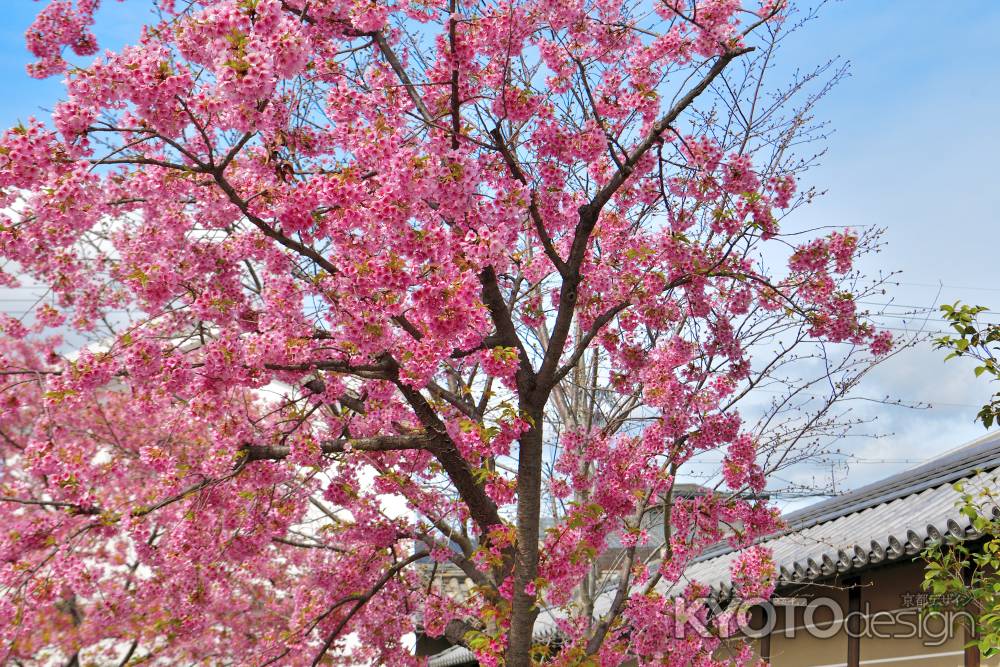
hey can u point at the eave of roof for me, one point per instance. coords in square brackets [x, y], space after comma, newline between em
[452, 657]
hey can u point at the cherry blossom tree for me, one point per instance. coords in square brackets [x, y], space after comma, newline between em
[368, 284]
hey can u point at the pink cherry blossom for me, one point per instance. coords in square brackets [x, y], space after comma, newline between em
[338, 294]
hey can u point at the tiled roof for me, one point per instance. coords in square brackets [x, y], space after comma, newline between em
[451, 657]
[884, 521]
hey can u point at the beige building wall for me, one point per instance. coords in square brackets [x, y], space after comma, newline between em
[894, 633]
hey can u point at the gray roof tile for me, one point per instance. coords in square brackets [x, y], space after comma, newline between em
[884, 521]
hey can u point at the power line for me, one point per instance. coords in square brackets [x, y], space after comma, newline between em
[942, 285]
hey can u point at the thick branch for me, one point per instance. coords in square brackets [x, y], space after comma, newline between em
[506, 332]
[368, 371]
[481, 507]
[73, 507]
[384, 443]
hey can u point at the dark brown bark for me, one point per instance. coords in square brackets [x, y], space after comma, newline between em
[384, 443]
[529, 495]
[481, 507]
[853, 624]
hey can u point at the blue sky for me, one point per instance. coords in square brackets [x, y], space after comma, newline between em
[118, 24]
[914, 149]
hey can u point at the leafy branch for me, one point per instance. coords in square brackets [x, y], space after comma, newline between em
[977, 340]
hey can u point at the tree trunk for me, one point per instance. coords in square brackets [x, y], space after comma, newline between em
[529, 485]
